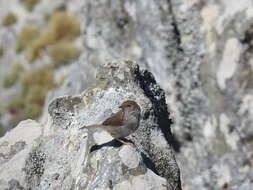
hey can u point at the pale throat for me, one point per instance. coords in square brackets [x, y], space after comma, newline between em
[132, 115]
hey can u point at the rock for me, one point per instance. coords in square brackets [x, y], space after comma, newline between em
[147, 181]
[200, 52]
[116, 82]
[79, 77]
[127, 30]
[129, 157]
[212, 80]
[14, 148]
[66, 157]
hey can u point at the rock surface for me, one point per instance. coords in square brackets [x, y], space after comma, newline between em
[200, 52]
[66, 157]
[14, 148]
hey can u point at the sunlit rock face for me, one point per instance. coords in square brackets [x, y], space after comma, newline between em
[66, 157]
[14, 148]
[200, 53]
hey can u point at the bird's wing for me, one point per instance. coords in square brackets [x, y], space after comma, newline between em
[114, 119]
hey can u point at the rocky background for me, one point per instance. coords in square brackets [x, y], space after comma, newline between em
[198, 51]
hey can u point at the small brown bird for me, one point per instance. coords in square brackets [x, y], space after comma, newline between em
[122, 123]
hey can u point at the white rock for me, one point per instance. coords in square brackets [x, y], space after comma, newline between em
[209, 15]
[26, 131]
[158, 139]
[229, 62]
[210, 128]
[224, 175]
[102, 137]
[129, 156]
[231, 138]
[148, 181]
[230, 9]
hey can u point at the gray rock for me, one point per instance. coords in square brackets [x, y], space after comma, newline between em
[66, 157]
[116, 82]
[14, 148]
[14, 185]
[212, 88]
[200, 52]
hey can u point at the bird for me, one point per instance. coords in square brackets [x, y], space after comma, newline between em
[123, 123]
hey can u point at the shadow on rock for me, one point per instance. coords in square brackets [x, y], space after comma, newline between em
[115, 143]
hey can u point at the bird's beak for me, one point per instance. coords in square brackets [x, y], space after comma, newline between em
[120, 107]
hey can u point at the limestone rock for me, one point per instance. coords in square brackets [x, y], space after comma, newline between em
[66, 157]
[200, 52]
[116, 82]
[14, 148]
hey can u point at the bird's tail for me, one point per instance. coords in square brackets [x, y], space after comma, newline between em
[90, 126]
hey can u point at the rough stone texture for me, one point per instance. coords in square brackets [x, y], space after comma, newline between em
[214, 38]
[200, 52]
[14, 148]
[117, 82]
[125, 29]
[66, 157]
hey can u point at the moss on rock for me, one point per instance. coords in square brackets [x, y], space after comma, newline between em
[1, 51]
[63, 52]
[13, 75]
[27, 34]
[34, 88]
[62, 26]
[9, 19]
[30, 4]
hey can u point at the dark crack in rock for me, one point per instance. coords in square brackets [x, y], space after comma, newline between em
[157, 96]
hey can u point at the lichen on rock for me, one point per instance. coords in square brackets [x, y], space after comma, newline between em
[9, 19]
[13, 75]
[116, 82]
[63, 53]
[62, 26]
[34, 168]
[67, 157]
[30, 4]
[29, 101]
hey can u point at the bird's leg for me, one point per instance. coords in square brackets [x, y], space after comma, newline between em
[124, 142]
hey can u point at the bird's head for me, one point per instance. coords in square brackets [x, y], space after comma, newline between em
[130, 105]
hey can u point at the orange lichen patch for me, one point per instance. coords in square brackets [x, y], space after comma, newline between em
[63, 52]
[62, 26]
